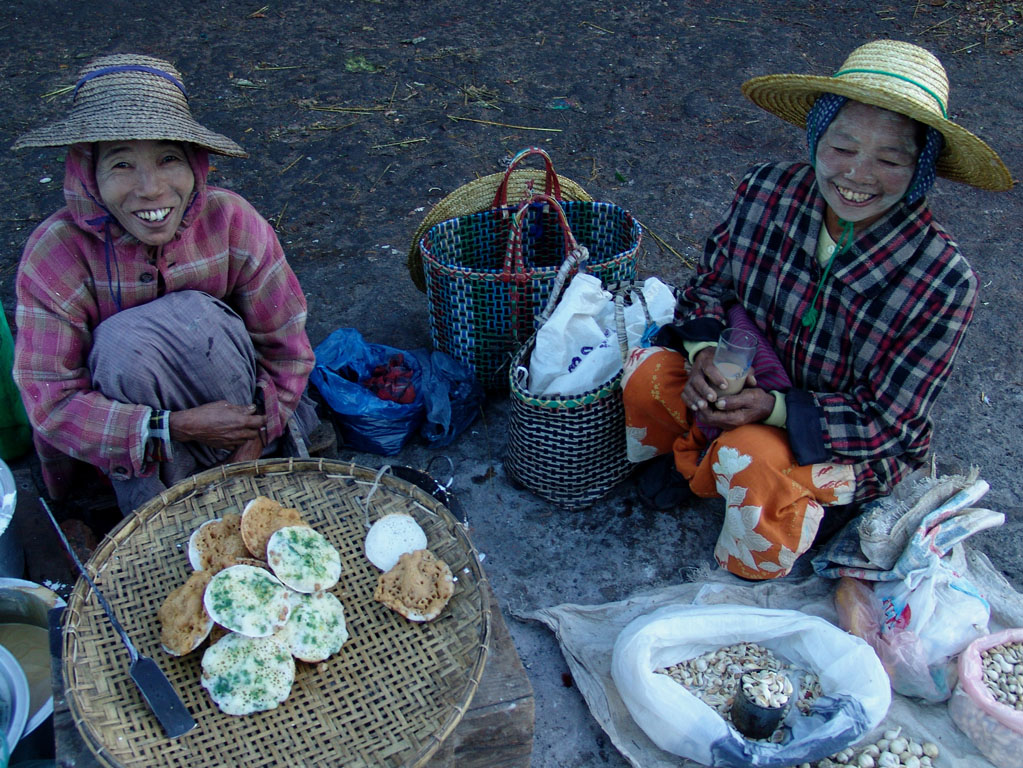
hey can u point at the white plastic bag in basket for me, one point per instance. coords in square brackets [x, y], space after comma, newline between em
[856, 689]
[577, 348]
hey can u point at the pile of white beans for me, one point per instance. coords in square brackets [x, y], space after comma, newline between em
[892, 750]
[1003, 673]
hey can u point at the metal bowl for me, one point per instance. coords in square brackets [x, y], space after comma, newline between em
[14, 698]
[25, 602]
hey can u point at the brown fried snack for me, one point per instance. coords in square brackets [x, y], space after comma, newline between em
[261, 518]
[418, 587]
[218, 542]
[184, 622]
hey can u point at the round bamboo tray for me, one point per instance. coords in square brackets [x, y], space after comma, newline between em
[390, 697]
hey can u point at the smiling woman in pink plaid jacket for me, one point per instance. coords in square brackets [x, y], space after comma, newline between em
[160, 328]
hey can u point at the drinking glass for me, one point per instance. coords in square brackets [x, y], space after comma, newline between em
[734, 356]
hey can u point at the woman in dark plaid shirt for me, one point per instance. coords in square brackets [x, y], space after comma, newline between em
[859, 298]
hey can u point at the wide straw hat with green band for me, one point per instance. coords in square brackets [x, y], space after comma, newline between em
[124, 97]
[898, 76]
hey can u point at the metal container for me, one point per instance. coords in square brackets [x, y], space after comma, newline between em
[12, 558]
[25, 602]
[14, 698]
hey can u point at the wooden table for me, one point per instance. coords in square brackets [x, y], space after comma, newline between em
[496, 731]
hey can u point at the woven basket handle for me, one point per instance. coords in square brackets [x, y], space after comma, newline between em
[551, 186]
[575, 254]
[634, 291]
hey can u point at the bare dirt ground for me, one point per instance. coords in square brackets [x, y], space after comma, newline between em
[359, 115]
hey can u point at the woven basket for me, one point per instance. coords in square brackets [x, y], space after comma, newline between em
[570, 449]
[490, 274]
[493, 191]
[392, 694]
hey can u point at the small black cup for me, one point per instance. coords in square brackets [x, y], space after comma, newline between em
[753, 720]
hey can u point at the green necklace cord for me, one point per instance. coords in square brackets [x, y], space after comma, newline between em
[845, 240]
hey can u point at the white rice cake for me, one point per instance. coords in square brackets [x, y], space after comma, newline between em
[316, 628]
[303, 559]
[247, 600]
[247, 674]
[392, 536]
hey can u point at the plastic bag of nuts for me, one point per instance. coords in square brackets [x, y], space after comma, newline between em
[987, 703]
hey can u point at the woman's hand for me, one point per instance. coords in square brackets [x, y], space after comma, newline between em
[219, 425]
[703, 394]
[706, 384]
[750, 406]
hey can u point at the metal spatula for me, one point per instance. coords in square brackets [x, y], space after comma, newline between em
[152, 682]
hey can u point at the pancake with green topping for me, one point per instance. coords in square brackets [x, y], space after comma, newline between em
[247, 674]
[247, 600]
[316, 628]
[303, 559]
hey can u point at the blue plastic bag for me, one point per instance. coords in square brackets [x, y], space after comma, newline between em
[452, 397]
[367, 422]
[447, 395]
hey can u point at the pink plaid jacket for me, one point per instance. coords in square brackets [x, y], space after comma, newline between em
[68, 283]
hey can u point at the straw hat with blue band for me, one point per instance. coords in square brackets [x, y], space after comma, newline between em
[124, 97]
[898, 76]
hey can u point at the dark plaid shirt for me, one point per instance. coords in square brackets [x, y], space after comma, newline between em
[892, 316]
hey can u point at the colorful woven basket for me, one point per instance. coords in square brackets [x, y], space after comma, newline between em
[570, 449]
[489, 274]
[494, 191]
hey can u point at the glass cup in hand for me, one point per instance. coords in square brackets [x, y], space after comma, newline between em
[733, 358]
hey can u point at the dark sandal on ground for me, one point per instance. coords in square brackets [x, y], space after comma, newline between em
[660, 485]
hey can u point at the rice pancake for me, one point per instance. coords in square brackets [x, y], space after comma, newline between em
[247, 674]
[260, 518]
[316, 628]
[184, 621]
[247, 600]
[303, 559]
[392, 536]
[216, 543]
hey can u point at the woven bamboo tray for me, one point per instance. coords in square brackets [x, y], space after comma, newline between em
[392, 694]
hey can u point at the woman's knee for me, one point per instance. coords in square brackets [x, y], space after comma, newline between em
[768, 445]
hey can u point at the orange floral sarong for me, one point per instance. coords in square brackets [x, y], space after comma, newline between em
[773, 506]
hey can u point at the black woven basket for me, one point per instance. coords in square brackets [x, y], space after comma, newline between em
[570, 449]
